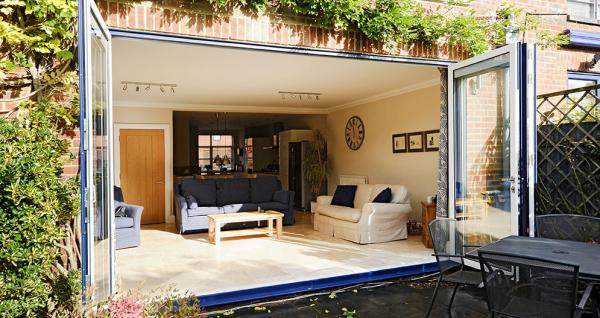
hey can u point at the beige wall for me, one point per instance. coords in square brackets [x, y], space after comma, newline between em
[139, 118]
[410, 112]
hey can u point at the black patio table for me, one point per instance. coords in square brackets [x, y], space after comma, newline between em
[587, 255]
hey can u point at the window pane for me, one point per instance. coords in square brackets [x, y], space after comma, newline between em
[222, 140]
[204, 140]
[203, 162]
[576, 83]
[203, 153]
[581, 8]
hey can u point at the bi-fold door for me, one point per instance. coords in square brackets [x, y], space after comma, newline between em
[491, 144]
[96, 152]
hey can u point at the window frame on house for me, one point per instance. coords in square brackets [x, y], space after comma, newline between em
[211, 150]
[583, 76]
[594, 17]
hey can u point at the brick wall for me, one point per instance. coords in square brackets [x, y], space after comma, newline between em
[552, 64]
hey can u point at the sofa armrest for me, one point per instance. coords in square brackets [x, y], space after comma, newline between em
[324, 200]
[135, 212]
[282, 196]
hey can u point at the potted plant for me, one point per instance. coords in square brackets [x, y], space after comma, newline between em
[315, 167]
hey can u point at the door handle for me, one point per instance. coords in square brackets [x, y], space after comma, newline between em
[511, 179]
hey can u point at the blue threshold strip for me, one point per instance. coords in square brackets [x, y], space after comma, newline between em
[316, 284]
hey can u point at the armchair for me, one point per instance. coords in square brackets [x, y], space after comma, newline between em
[127, 228]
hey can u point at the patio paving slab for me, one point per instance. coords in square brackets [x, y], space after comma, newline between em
[401, 299]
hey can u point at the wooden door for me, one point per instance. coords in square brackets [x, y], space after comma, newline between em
[142, 176]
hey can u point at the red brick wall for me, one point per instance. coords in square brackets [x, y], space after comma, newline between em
[282, 30]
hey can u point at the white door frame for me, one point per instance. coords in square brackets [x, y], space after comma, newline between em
[514, 104]
[169, 218]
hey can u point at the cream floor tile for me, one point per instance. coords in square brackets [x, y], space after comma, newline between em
[190, 263]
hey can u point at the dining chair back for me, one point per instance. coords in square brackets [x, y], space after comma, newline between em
[569, 227]
[518, 286]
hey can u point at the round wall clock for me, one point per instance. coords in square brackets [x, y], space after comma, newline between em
[355, 132]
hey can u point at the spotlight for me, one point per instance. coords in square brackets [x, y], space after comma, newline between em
[137, 88]
[148, 87]
[173, 90]
[125, 87]
[162, 89]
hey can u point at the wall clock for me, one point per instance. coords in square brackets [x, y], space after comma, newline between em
[355, 132]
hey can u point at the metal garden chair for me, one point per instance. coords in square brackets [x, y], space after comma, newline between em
[569, 227]
[449, 253]
[519, 286]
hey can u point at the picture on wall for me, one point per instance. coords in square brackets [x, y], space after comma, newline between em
[432, 140]
[399, 143]
[415, 142]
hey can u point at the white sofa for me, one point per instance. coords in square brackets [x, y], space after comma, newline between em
[367, 222]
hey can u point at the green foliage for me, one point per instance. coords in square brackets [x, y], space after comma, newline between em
[35, 203]
[316, 164]
[37, 42]
[407, 21]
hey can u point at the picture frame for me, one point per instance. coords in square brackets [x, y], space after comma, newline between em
[399, 144]
[431, 139]
[415, 142]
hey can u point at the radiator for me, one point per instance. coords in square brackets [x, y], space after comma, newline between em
[350, 179]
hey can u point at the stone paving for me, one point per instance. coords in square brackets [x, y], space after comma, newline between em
[400, 299]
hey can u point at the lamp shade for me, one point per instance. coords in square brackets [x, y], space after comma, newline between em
[226, 160]
[218, 161]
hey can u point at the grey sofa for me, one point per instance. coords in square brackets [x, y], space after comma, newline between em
[229, 196]
[127, 229]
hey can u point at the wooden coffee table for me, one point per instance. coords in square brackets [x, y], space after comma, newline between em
[215, 221]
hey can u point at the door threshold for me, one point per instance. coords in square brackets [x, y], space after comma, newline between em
[316, 284]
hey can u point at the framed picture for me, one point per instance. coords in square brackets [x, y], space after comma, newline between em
[399, 143]
[415, 142]
[432, 140]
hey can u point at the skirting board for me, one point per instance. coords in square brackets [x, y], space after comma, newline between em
[312, 285]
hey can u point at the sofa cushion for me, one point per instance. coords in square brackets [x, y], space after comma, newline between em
[399, 193]
[123, 222]
[363, 195]
[276, 206]
[384, 196]
[204, 191]
[340, 212]
[263, 188]
[192, 203]
[121, 211]
[230, 191]
[344, 195]
[204, 210]
[240, 207]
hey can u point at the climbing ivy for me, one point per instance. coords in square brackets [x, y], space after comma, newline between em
[406, 21]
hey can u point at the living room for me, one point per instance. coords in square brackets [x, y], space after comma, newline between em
[374, 119]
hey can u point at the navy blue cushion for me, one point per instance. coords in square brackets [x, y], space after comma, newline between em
[344, 195]
[204, 191]
[230, 191]
[384, 196]
[263, 188]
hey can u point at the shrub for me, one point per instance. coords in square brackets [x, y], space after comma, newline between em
[35, 204]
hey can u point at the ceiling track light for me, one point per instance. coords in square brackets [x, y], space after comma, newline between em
[300, 95]
[148, 86]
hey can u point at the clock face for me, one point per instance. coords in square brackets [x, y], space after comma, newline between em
[355, 132]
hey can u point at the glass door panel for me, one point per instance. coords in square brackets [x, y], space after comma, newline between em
[483, 196]
[485, 145]
[96, 107]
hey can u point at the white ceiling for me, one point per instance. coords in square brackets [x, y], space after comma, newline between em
[226, 79]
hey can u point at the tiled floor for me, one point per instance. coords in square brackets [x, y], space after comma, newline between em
[190, 263]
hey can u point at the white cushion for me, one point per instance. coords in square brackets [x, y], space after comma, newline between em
[362, 196]
[399, 193]
[340, 212]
